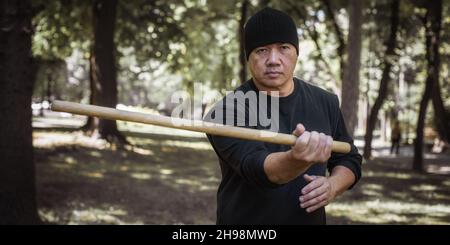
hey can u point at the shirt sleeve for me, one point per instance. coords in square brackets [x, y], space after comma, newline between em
[243, 157]
[351, 160]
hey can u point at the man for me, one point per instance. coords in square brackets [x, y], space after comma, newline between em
[396, 136]
[265, 183]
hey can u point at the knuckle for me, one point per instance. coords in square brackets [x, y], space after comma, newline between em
[308, 158]
[329, 139]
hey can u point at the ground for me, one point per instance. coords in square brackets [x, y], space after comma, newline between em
[171, 177]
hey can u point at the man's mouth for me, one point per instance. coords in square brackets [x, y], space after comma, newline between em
[273, 73]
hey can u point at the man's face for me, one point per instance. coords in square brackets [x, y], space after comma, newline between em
[272, 66]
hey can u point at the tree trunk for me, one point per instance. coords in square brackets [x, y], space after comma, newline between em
[432, 23]
[242, 57]
[103, 68]
[17, 180]
[49, 91]
[350, 84]
[339, 36]
[441, 115]
[383, 91]
[91, 124]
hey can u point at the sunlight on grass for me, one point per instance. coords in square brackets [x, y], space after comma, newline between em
[111, 215]
[423, 187]
[146, 129]
[371, 193]
[166, 171]
[141, 176]
[193, 145]
[170, 146]
[48, 216]
[169, 149]
[55, 139]
[70, 160]
[61, 166]
[95, 153]
[374, 187]
[187, 182]
[95, 175]
[438, 169]
[142, 151]
[381, 212]
[402, 176]
[96, 215]
[195, 184]
[446, 183]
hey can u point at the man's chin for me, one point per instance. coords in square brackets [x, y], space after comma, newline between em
[273, 83]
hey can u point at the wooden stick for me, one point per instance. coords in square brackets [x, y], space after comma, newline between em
[192, 125]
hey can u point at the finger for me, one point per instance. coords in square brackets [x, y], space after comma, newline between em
[313, 142]
[303, 141]
[299, 130]
[322, 145]
[312, 185]
[314, 201]
[317, 206]
[309, 178]
[322, 141]
[326, 151]
[313, 195]
[328, 147]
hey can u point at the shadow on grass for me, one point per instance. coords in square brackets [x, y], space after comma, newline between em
[391, 193]
[166, 185]
[165, 179]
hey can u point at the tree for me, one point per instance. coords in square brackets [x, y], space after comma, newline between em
[103, 71]
[383, 90]
[242, 57]
[339, 35]
[350, 83]
[432, 22]
[17, 180]
[60, 31]
[441, 114]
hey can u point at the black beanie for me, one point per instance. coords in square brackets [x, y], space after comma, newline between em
[269, 26]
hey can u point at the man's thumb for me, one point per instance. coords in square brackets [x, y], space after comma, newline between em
[309, 178]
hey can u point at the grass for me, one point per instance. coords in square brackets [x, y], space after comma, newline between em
[171, 177]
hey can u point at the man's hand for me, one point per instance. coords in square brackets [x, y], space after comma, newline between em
[319, 192]
[311, 147]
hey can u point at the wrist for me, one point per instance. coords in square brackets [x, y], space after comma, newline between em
[333, 187]
[292, 159]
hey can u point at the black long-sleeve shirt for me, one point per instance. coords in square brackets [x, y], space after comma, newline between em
[245, 194]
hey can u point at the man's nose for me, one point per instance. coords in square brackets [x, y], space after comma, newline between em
[274, 58]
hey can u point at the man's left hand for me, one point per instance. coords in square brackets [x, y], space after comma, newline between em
[317, 193]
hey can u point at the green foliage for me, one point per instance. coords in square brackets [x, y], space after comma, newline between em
[163, 46]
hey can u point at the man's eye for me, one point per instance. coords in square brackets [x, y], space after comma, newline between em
[285, 47]
[261, 50]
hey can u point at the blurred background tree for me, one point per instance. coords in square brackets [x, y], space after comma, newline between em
[162, 46]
